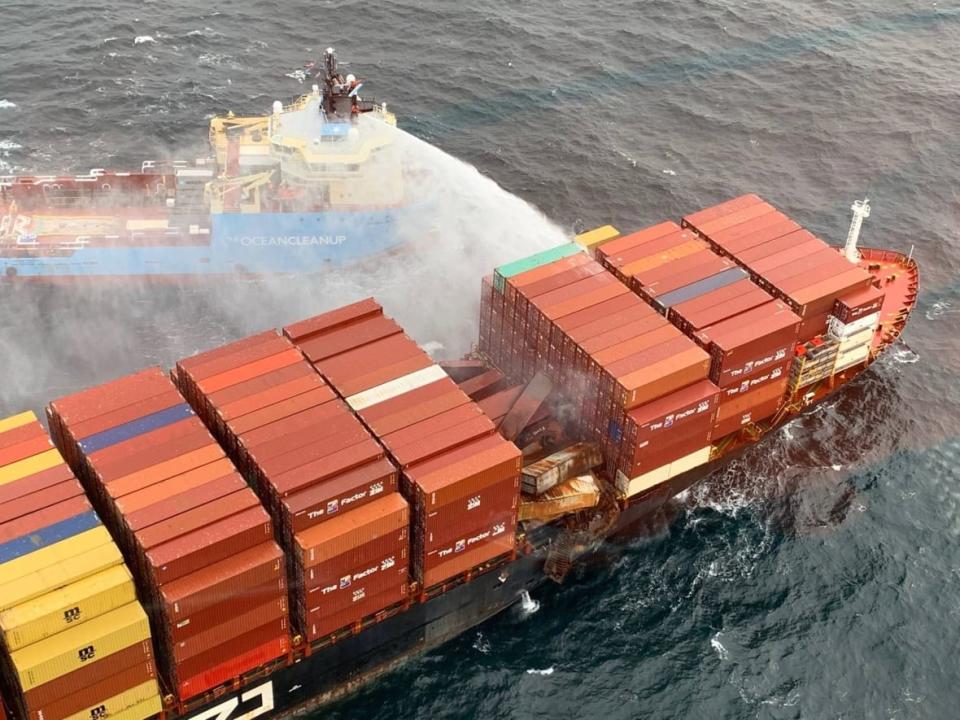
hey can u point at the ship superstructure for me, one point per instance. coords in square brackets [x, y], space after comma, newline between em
[397, 502]
[311, 185]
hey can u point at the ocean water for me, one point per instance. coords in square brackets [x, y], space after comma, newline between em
[819, 575]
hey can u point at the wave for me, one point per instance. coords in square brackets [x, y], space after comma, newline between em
[141, 39]
[6, 104]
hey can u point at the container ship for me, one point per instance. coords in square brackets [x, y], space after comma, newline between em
[312, 186]
[274, 522]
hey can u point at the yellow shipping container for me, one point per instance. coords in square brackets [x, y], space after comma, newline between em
[67, 607]
[112, 707]
[60, 574]
[30, 466]
[81, 645]
[592, 239]
[53, 554]
[15, 421]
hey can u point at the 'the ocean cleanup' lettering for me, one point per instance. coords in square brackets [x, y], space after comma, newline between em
[287, 240]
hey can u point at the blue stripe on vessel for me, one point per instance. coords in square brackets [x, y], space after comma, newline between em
[134, 428]
[26, 544]
[694, 290]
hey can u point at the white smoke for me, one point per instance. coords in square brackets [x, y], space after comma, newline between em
[56, 340]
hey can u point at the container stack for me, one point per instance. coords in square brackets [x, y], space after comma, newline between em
[783, 258]
[75, 640]
[326, 482]
[853, 325]
[199, 542]
[461, 479]
[614, 356]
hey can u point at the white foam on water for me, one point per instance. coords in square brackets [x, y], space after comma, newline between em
[905, 356]
[938, 310]
[481, 644]
[718, 647]
[141, 39]
[545, 671]
[6, 104]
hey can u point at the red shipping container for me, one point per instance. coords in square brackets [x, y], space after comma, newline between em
[650, 457]
[348, 491]
[692, 320]
[214, 543]
[301, 446]
[761, 229]
[35, 483]
[333, 319]
[321, 626]
[659, 418]
[774, 374]
[812, 327]
[496, 503]
[754, 406]
[217, 362]
[110, 396]
[182, 628]
[442, 441]
[253, 386]
[43, 518]
[266, 398]
[237, 576]
[339, 535]
[144, 477]
[449, 419]
[28, 504]
[676, 280]
[393, 544]
[170, 489]
[278, 429]
[197, 518]
[634, 239]
[282, 409]
[25, 449]
[349, 337]
[616, 259]
[795, 238]
[73, 684]
[165, 399]
[325, 602]
[447, 563]
[233, 624]
[325, 468]
[89, 695]
[156, 441]
[245, 653]
[716, 211]
[858, 304]
[21, 434]
[732, 219]
[575, 270]
[192, 363]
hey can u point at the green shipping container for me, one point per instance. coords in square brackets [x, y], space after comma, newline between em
[533, 261]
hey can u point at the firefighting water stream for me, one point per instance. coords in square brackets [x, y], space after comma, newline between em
[817, 576]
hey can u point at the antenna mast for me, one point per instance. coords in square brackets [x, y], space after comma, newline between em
[861, 211]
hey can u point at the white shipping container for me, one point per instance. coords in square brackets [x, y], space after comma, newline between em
[859, 340]
[397, 387]
[852, 357]
[842, 331]
[633, 486]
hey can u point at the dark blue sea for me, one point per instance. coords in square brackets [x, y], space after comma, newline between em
[817, 577]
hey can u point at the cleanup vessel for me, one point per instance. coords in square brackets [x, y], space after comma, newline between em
[311, 186]
[279, 520]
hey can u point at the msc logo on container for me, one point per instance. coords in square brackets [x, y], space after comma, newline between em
[71, 615]
[87, 653]
[473, 503]
[100, 711]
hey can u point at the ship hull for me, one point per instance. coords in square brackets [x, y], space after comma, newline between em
[237, 244]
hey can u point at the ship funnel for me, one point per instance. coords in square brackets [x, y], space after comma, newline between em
[861, 211]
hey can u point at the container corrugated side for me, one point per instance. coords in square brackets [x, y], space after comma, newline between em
[67, 607]
[83, 702]
[72, 649]
[58, 574]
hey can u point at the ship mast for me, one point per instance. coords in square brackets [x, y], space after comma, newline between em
[861, 211]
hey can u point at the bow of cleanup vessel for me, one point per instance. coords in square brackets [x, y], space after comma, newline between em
[309, 186]
[283, 518]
